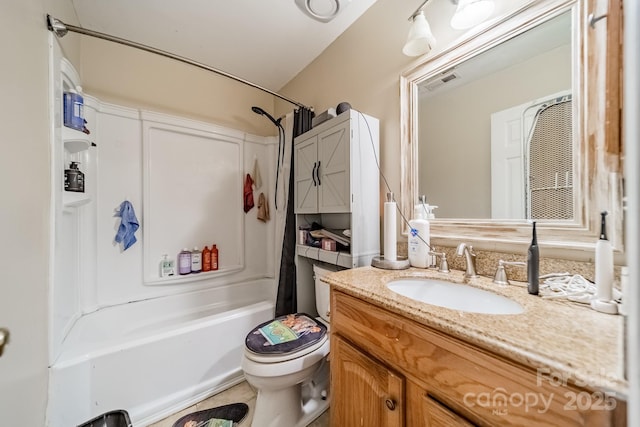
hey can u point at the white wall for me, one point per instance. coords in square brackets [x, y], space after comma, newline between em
[24, 217]
[120, 274]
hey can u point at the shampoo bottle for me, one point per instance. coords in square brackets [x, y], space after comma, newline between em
[604, 272]
[196, 260]
[214, 257]
[533, 264]
[206, 259]
[184, 262]
[419, 234]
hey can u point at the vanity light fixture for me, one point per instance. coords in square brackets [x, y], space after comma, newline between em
[420, 39]
[470, 13]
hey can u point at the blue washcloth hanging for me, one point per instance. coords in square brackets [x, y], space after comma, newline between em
[128, 225]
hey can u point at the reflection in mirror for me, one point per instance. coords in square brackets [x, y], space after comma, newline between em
[587, 169]
[496, 137]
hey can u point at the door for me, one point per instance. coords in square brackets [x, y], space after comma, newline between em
[507, 164]
[305, 175]
[333, 169]
[365, 393]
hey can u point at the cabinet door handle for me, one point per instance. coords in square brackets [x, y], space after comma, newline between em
[391, 404]
[318, 173]
[313, 173]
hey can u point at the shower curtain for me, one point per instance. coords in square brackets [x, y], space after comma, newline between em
[286, 300]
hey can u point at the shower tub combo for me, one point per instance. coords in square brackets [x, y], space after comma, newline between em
[155, 357]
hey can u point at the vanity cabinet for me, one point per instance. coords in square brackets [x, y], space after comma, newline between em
[447, 382]
[378, 388]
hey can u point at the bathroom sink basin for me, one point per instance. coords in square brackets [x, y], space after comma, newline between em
[455, 296]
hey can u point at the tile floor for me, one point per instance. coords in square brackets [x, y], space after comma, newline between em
[238, 393]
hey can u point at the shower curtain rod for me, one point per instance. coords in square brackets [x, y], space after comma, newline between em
[60, 29]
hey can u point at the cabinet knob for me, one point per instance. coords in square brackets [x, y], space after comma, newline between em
[391, 404]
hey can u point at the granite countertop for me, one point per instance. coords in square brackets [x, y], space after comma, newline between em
[562, 337]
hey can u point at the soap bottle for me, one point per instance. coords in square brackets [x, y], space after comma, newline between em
[167, 266]
[184, 262]
[533, 264]
[604, 272]
[419, 233]
[206, 259]
[73, 179]
[214, 257]
[196, 260]
[431, 259]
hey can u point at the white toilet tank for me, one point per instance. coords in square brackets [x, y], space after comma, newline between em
[322, 291]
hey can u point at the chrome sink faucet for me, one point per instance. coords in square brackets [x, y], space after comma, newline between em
[467, 251]
[444, 265]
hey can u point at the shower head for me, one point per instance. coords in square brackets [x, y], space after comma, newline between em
[260, 111]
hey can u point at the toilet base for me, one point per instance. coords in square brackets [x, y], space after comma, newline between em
[295, 406]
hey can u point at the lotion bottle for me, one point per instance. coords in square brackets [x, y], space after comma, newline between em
[419, 234]
[604, 272]
[533, 264]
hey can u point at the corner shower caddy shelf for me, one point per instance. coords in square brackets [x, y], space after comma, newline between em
[76, 143]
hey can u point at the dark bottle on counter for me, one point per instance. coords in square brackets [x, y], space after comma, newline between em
[533, 264]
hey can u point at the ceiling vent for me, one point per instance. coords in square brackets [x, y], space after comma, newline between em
[440, 81]
[322, 10]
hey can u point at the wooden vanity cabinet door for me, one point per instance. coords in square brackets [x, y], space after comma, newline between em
[365, 393]
[424, 410]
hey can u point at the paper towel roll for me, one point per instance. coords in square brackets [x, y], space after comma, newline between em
[390, 248]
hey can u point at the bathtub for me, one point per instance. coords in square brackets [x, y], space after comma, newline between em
[155, 357]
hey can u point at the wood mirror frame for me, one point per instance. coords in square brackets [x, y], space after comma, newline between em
[598, 87]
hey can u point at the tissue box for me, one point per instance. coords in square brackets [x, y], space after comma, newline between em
[329, 244]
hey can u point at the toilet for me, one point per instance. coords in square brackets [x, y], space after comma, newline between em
[285, 360]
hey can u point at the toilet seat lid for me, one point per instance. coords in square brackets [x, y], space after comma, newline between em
[286, 334]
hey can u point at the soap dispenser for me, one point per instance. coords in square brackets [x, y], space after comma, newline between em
[419, 236]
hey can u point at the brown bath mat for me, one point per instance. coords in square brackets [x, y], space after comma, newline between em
[235, 412]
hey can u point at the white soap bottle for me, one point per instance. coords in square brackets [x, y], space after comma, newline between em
[418, 242]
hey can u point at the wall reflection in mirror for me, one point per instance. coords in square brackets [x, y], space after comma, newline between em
[496, 136]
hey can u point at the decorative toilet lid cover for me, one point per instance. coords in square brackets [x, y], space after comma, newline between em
[285, 334]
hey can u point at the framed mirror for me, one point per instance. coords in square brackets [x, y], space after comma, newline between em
[511, 126]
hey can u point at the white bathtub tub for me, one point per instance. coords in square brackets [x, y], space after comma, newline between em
[155, 357]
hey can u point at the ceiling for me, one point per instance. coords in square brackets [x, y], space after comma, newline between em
[267, 42]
